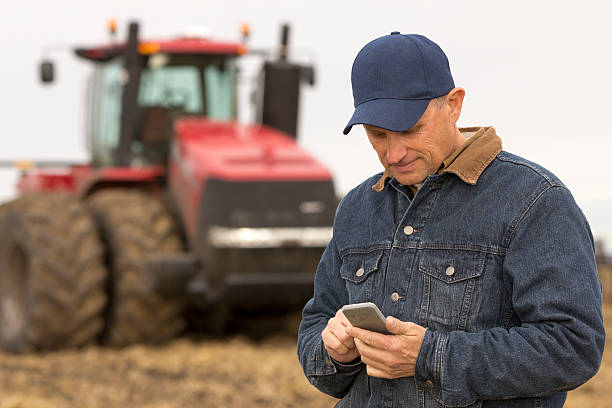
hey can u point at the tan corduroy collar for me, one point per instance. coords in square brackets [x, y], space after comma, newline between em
[469, 160]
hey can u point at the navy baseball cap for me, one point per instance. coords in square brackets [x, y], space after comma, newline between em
[394, 77]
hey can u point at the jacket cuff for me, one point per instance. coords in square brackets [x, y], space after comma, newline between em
[331, 377]
[428, 368]
[347, 368]
[320, 362]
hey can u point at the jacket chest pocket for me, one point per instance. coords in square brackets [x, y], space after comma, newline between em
[359, 271]
[450, 286]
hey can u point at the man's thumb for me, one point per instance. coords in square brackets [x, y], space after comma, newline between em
[396, 326]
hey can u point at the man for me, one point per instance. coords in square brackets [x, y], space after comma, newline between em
[481, 260]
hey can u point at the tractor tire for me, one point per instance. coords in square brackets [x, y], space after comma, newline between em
[52, 274]
[134, 226]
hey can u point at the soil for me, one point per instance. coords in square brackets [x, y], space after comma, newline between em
[232, 371]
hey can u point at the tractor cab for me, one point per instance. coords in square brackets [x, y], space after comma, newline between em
[133, 100]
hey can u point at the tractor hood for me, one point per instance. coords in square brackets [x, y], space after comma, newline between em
[234, 152]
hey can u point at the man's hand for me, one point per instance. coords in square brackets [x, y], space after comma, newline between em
[339, 345]
[390, 356]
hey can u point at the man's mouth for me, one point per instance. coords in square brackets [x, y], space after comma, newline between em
[405, 166]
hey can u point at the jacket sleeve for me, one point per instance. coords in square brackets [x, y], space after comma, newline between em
[550, 269]
[330, 295]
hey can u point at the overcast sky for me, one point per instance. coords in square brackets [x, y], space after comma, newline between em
[538, 71]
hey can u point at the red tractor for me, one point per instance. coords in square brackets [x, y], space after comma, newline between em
[182, 211]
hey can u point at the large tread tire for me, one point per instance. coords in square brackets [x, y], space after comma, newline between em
[135, 226]
[52, 274]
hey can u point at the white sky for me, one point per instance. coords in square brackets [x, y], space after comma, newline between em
[538, 71]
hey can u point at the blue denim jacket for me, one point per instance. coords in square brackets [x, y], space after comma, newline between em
[502, 274]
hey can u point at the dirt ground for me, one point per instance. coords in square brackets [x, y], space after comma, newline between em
[236, 371]
[230, 372]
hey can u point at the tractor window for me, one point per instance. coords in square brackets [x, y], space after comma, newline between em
[169, 87]
[175, 87]
[219, 92]
[105, 112]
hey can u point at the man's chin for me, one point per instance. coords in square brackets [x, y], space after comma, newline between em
[409, 179]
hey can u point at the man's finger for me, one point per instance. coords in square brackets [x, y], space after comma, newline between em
[375, 372]
[372, 353]
[378, 369]
[342, 318]
[396, 326]
[343, 337]
[332, 343]
[381, 363]
[375, 369]
[368, 337]
[369, 360]
[340, 331]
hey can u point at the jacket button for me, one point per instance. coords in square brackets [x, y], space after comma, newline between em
[450, 271]
[408, 230]
[395, 297]
[429, 384]
[360, 272]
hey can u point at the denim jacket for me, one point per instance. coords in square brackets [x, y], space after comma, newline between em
[501, 272]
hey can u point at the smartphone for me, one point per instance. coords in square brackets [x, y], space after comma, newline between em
[366, 316]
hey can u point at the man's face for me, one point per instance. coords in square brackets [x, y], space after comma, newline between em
[412, 155]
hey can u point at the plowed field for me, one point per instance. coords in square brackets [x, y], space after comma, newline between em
[235, 371]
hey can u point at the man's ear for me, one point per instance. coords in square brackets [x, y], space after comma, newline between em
[454, 102]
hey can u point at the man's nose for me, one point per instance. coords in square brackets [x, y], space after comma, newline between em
[395, 150]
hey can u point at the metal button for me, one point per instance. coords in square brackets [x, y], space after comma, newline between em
[394, 32]
[408, 230]
[395, 297]
[429, 384]
[450, 270]
[360, 272]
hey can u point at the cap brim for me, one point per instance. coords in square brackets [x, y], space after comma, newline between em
[396, 115]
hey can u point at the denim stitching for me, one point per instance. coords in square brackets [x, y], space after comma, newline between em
[513, 227]
[453, 247]
[351, 251]
[503, 156]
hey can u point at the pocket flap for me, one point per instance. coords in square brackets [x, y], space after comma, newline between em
[452, 266]
[357, 266]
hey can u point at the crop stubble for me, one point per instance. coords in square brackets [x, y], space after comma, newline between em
[235, 371]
